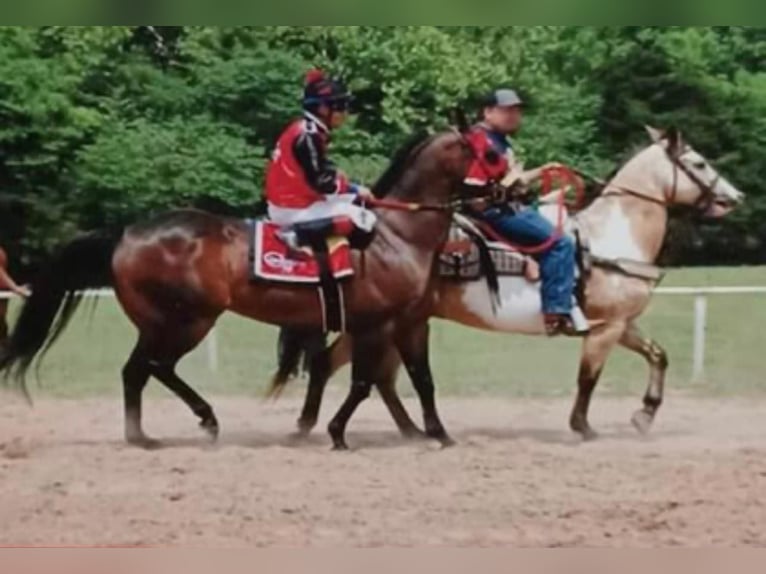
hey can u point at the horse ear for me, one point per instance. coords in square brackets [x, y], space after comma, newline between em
[654, 134]
[461, 120]
[676, 142]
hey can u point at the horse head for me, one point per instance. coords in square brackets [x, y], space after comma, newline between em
[687, 178]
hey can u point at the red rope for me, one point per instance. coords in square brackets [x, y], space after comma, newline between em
[567, 178]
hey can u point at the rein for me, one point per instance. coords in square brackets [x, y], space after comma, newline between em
[707, 191]
[568, 178]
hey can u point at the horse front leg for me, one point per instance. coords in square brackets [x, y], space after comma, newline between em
[655, 355]
[596, 348]
[412, 342]
[387, 391]
[367, 357]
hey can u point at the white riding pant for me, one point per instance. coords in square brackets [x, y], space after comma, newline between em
[329, 208]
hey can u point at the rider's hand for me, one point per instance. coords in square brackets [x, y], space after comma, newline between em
[23, 291]
[364, 193]
[552, 165]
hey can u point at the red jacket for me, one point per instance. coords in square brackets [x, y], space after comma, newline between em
[490, 163]
[300, 174]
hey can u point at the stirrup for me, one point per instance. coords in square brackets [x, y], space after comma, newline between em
[579, 321]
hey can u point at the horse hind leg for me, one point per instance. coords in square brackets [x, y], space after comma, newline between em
[657, 358]
[167, 375]
[595, 352]
[157, 354]
[135, 375]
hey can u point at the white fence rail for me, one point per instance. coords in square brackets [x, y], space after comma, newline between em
[701, 296]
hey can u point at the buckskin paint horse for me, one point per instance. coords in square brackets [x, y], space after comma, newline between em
[7, 284]
[626, 228]
[176, 274]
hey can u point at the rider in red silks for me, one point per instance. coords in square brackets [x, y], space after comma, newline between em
[306, 193]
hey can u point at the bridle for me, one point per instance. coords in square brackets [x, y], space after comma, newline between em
[707, 190]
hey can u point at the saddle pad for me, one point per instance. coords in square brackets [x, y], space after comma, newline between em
[460, 259]
[273, 260]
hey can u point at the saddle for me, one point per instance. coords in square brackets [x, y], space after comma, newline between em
[464, 255]
[471, 253]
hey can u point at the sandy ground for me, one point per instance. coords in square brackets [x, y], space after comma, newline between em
[517, 478]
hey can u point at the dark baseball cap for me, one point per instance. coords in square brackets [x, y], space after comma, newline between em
[504, 98]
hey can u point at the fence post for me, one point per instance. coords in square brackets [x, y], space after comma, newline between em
[212, 350]
[700, 332]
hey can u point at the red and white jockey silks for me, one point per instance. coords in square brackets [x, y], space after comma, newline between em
[300, 173]
[303, 185]
[489, 164]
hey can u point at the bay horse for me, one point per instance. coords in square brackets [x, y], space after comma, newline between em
[177, 273]
[9, 285]
[625, 226]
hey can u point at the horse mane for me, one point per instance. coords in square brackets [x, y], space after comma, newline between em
[400, 161]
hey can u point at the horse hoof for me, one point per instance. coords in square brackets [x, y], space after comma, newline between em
[414, 434]
[211, 428]
[143, 442]
[447, 442]
[340, 447]
[440, 435]
[580, 426]
[586, 433]
[305, 428]
[589, 435]
[643, 422]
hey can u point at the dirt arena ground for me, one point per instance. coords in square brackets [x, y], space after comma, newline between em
[516, 478]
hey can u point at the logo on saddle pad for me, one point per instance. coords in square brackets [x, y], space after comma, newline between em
[278, 261]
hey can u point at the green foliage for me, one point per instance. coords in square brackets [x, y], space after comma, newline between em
[138, 167]
[100, 125]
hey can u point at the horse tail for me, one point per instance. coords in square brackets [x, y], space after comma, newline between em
[296, 350]
[85, 263]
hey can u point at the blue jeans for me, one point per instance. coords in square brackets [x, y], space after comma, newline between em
[528, 228]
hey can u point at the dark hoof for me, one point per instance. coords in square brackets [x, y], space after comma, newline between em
[211, 428]
[583, 429]
[643, 422]
[305, 428]
[587, 434]
[143, 442]
[337, 434]
[414, 434]
[441, 435]
[447, 442]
